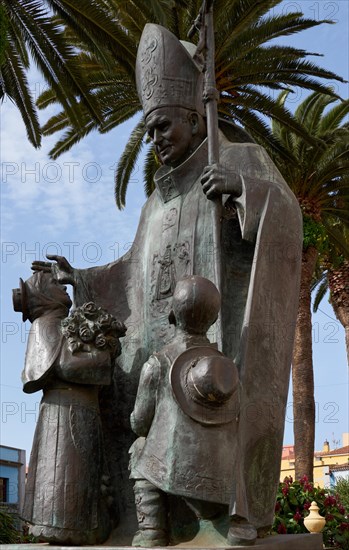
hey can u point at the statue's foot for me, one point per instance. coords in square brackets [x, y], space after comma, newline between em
[149, 538]
[241, 533]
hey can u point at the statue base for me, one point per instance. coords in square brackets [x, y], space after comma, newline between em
[273, 542]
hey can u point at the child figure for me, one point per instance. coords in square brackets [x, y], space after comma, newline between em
[185, 415]
[69, 359]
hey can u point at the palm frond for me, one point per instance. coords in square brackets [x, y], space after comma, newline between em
[16, 86]
[337, 238]
[46, 98]
[151, 165]
[321, 291]
[55, 58]
[237, 15]
[4, 27]
[253, 99]
[267, 29]
[260, 131]
[162, 11]
[70, 138]
[95, 25]
[314, 114]
[331, 120]
[14, 34]
[127, 162]
[118, 117]
[87, 51]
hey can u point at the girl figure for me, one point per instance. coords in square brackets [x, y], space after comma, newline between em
[68, 359]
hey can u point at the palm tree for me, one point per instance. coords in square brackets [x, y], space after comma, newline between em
[28, 31]
[318, 178]
[334, 276]
[107, 34]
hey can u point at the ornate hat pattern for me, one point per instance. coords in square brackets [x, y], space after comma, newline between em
[166, 74]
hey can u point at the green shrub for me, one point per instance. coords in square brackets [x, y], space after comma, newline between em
[8, 532]
[293, 502]
[342, 489]
[10, 529]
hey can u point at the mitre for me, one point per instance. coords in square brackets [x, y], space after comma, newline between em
[166, 73]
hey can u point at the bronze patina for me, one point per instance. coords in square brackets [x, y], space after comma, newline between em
[257, 257]
[68, 358]
[186, 414]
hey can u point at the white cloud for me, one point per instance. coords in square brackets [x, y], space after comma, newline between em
[72, 195]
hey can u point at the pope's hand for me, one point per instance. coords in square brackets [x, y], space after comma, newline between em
[61, 269]
[216, 180]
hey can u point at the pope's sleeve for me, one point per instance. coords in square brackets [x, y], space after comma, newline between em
[144, 409]
[258, 176]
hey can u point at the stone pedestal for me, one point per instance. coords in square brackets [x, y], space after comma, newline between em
[277, 542]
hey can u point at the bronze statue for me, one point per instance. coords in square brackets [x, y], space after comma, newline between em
[68, 358]
[256, 259]
[186, 414]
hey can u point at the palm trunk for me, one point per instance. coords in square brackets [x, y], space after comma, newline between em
[302, 373]
[344, 314]
[338, 282]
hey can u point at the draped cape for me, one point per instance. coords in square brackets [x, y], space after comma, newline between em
[44, 345]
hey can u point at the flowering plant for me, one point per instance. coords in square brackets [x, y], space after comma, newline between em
[91, 326]
[293, 502]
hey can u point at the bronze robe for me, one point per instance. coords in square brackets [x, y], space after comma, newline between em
[180, 455]
[260, 252]
[63, 500]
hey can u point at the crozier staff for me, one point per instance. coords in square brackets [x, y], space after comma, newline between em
[204, 23]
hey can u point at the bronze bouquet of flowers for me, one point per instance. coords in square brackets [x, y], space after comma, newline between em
[91, 326]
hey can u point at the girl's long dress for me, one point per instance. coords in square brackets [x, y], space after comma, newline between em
[63, 493]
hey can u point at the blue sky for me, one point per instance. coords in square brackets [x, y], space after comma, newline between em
[67, 207]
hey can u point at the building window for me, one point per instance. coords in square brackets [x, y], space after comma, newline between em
[4, 489]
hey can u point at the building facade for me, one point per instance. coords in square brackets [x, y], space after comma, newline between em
[328, 464]
[12, 478]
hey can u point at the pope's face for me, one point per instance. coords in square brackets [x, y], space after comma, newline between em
[172, 131]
